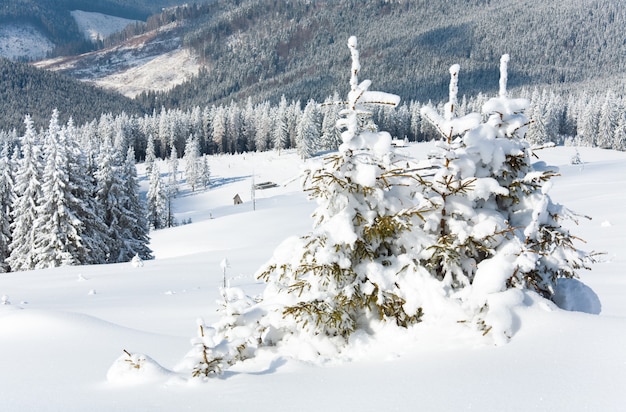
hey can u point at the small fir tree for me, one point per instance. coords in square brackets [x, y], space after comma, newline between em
[355, 267]
[495, 225]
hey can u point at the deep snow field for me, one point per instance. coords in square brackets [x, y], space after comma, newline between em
[62, 330]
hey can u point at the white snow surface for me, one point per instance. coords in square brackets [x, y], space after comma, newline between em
[97, 26]
[61, 344]
[23, 40]
[160, 73]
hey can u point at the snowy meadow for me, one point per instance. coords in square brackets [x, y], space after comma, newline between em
[63, 331]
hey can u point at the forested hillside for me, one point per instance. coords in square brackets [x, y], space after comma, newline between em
[26, 90]
[265, 49]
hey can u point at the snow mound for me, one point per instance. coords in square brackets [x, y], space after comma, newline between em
[136, 369]
[574, 295]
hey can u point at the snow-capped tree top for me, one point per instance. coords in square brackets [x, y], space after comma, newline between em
[454, 90]
[504, 61]
[355, 115]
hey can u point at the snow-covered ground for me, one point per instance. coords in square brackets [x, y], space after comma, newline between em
[62, 330]
[97, 26]
[154, 61]
[23, 40]
[160, 73]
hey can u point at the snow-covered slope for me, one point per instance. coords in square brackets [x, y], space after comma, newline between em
[97, 26]
[62, 329]
[152, 61]
[23, 40]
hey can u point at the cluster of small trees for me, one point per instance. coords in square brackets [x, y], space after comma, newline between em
[161, 192]
[69, 201]
[395, 242]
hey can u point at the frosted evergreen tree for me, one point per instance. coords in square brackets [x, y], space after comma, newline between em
[111, 194]
[308, 133]
[619, 136]
[607, 123]
[205, 172]
[219, 129]
[58, 230]
[156, 200]
[27, 194]
[150, 155]
[263, 137]
[355, 267]
[172, 181]
[6, 204]
[495, 226]
[193, 163]
[330, 139]
[82, 185]
[133, 220]
[281, 128]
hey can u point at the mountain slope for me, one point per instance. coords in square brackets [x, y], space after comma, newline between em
[264, 49]
[27, 90]
[52, 21]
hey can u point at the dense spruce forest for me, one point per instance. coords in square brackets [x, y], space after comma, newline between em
[29, 91]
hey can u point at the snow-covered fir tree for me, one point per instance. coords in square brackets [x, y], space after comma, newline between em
[27, 195]
[205, 172]
[6, 203]
[150, 155]
[133, 217]
[354, 268]
[156, 200]
[281, 128]
[193, 163]
[493, 222]
[308, 132]
[82, 186]
[58, 229]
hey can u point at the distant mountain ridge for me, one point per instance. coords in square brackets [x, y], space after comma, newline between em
[53, 21]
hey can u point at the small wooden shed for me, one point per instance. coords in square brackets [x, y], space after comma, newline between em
[237, 199]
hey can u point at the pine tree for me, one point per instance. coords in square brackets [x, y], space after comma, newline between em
[193, 163]
[6, 204]
[150, 155]
[110, 196]
[133, 217]
[494, 223]
[58, 240]
[354, 267]
[156, 199]
[308, 133]
[83, 187]
[205, 172]
[27, 194]
[280, 131]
